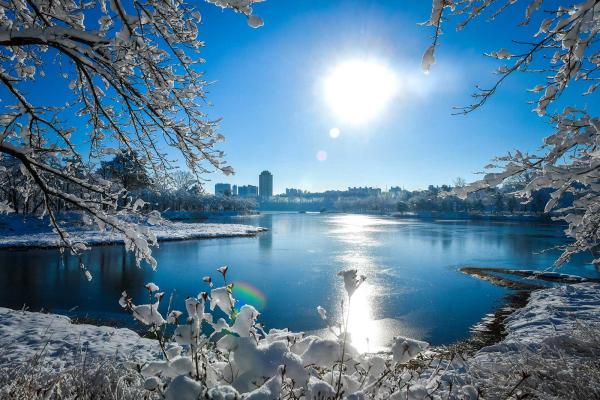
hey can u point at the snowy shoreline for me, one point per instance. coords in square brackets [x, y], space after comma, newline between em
[167, 231]
[550, 350]
[53, 337]
[550, 314]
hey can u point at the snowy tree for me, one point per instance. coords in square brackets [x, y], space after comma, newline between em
[80, 81]
[563, 53]
[184, 180]
[126, 171]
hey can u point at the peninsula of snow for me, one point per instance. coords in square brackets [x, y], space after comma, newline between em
[19, 232]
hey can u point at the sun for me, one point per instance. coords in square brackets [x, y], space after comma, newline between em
[359, 90]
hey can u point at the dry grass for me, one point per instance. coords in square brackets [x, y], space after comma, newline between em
[569, 369]
[97, 379]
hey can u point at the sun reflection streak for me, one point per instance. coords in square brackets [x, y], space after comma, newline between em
[357, 232]
[361, 330]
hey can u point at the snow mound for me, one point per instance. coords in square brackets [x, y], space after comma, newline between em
[25, 335]
[552, 313]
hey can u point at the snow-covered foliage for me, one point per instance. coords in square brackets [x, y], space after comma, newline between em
[130, 83]
[562, 50]
[244, 7]
[218, 351]
[173, 201]
[563, 53]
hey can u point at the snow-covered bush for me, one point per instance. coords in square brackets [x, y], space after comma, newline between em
[215, 350]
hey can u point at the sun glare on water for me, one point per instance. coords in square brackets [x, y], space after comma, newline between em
[359, 90]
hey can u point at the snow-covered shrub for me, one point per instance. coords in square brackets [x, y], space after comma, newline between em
[558, 367]
[218, 351]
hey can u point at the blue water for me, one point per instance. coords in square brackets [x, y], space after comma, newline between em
[413, 286]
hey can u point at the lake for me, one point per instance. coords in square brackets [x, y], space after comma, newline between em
[413, 287]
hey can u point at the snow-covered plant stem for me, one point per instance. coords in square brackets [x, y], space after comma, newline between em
[338, 386]
[352, 281]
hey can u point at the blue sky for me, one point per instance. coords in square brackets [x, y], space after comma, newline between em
[268, 91]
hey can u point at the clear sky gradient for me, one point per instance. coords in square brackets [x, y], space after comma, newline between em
[268, 88]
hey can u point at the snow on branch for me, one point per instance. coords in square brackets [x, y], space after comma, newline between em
[242, 6]
[563, 52]
[128, 82]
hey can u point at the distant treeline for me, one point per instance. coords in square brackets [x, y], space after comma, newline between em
[434, 199]
[183, 192]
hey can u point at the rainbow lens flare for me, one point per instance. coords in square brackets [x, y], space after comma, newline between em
[245, 293]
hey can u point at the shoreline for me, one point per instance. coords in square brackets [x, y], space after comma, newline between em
[490, 330]
[168, 231]
[540, 346]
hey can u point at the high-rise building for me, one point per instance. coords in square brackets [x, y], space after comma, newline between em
[247, 191]
[234, 190]
[223, 189]
[265, 184]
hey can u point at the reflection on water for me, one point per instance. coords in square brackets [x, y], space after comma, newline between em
[355, 232]
[412, 285]
[357, 235]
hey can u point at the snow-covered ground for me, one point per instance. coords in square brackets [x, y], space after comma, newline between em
[552, 314]
[53, 338]
[31, 232]
[550, 351]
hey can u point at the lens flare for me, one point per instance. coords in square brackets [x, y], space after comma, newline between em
[245, 293]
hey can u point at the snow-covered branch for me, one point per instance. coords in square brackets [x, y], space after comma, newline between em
[563, 52]
[131, 86]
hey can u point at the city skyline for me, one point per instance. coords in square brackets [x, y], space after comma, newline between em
[249, 190]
